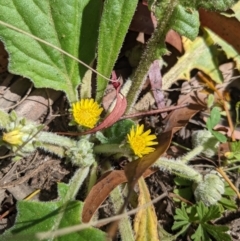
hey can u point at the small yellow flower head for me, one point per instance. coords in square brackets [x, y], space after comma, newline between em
[141, 141]
[13, 137]
[86, 112]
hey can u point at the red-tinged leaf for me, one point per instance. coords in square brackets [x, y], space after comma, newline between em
[115, 115]
[101, 191]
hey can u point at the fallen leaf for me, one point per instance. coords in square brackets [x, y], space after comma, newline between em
[155, 78]
[114, 116]
[145, 222]
[135, 169]
[102, 189]
[226, 28]
[176, 120]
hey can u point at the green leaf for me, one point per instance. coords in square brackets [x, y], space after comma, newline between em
[186, 22]
[209, 124]
[235, 146]
[228, 204]
[180, 224]
[70, 25]
[208, 213]
[182, 181]
[218, 232]
[185, 193]
[200, 235]
[116, 18]
[215, 116]
[219, 136]
[210, 101]
[118, 132]
[36, 217]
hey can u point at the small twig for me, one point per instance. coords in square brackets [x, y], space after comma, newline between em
[26, 177]
[212, 86]
[18, 103]
[5, 178]
[31, 162]
[221, 171]
[152, 112]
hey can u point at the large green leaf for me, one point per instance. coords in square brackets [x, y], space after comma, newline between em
[70, 25]
[34, 217]
[116, 18]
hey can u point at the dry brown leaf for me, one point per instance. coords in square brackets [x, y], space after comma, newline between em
[226, 28]
[135, 169]
[101, 190]
[145, 223]
[176, 120]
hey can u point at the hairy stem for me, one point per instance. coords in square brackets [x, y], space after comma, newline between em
[154, 50]
[179, 168]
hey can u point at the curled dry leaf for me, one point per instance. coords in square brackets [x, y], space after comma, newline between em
[226, 28]
[102, 189]
[176, 120]
[115, 115]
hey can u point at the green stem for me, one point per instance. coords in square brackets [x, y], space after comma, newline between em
[92, 176]
[154, 50]
[110, 149]
[191, 154]
[179, 168]
[76, 182]
[51, 138]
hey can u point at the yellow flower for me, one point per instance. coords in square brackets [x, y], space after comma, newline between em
[13, 137]
[141, 141]
[86, 112]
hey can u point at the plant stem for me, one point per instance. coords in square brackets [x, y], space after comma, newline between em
[76, 182]
[92, 176]
[154, 50]
[110, 149]
[51, 138]
[179, 168]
